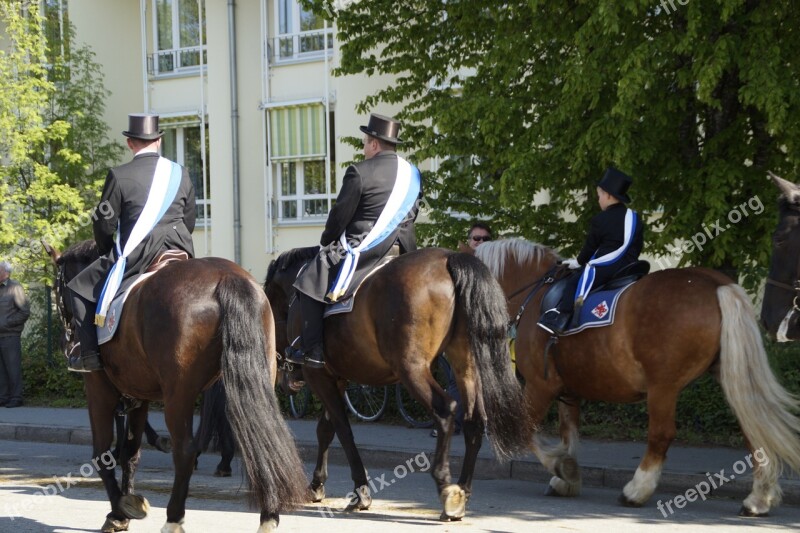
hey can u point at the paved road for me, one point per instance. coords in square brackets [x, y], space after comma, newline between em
[407, 505]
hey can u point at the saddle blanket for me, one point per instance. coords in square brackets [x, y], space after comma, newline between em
[107, 331]
[345, 306]
[598, 309]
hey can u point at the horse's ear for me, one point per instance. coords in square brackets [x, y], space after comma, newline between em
[54, 254]
[465, 248]
[789, 190]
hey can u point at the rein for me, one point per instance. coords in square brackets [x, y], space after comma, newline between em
[60, 287]
[791, 288]
[547, 279]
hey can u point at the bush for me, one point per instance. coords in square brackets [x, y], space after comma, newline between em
[44, 370]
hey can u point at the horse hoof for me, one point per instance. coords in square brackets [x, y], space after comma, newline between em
[222, 473]
[112, 525]
[316, 495]
[627, 502]
[163, 444]
[134, 506]
[568, 470]
[444, 518]
[172, 527]
[744, 511]
[268, 526]
[360, 499]
[550, 491]
[454, 501]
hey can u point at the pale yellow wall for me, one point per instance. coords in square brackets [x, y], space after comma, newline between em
[112, 31]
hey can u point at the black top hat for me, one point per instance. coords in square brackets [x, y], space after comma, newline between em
[144, 127]
[383, 128]
[616, 183]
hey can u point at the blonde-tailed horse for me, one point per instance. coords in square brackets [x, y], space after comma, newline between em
[670, 328]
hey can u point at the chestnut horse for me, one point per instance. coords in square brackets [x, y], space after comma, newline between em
[409, 311]
[181, 328]
[780, 309]
[670, 328]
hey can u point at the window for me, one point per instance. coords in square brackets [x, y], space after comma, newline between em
[182, 145]
[297, 152]
[177, 36]
[302, 194]
[301, 33]
[56, 29]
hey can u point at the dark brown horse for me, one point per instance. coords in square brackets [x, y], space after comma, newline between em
[419, 305]
[780, 309]
[181, 328]
[670, 328]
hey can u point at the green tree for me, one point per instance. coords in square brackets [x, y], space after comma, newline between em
[522, 100]
[53, 144]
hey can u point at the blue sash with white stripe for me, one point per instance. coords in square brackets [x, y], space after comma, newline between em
[588, 274]
[401, 201]
[166, 180]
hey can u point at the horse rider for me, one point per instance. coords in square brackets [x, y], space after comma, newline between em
[147, 207]
[615, 240]
[373, 217]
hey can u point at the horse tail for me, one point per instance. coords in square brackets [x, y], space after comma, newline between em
[762, 406]
[274, 470]
[482, 306]
[213, 421]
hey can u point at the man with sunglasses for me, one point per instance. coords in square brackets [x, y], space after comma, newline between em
[479, 233]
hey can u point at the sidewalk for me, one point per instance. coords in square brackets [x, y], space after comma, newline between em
[604, 464]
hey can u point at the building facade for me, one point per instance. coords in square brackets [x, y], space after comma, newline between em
[248, 103]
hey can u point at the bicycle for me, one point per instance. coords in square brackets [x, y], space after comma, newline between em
[366, 402]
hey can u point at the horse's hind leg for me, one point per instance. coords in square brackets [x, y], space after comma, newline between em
[442, 407]
[661, 402]
[178, 416]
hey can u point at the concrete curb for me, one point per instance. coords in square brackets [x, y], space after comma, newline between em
[676, 483]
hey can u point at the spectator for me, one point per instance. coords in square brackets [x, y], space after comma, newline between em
[14, 312]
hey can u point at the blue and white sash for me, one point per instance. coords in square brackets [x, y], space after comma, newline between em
[401, 202]
[587, 277]
[166, 180]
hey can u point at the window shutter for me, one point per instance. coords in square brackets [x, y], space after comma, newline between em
[297, 133]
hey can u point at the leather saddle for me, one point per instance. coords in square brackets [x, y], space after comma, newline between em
[626, 275]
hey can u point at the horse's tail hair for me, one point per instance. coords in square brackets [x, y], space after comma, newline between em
[762, 406]
[482, 306]
[214, 425]
[274, 470]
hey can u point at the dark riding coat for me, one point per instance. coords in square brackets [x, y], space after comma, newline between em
[606, 234]
[124, 197]
[365, 189]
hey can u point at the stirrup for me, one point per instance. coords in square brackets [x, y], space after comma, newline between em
[315, 357]
[294, 355]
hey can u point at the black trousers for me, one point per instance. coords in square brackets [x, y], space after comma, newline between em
[10, 368]
[311, 311]
[83, 312]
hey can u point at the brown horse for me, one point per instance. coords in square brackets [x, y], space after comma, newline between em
[780, 309]
[419, 305]
[181, 328]
[670, 328]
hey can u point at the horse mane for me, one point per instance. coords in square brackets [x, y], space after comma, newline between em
[83, 252]
[494, 253]
[289, 259]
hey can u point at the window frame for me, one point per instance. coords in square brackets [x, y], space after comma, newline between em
[300, 196]
[177, 52]
[180, 157]
[297, 35]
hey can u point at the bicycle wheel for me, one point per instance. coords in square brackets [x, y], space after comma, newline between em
[299, 402]
[366, 402]
[410, 409]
